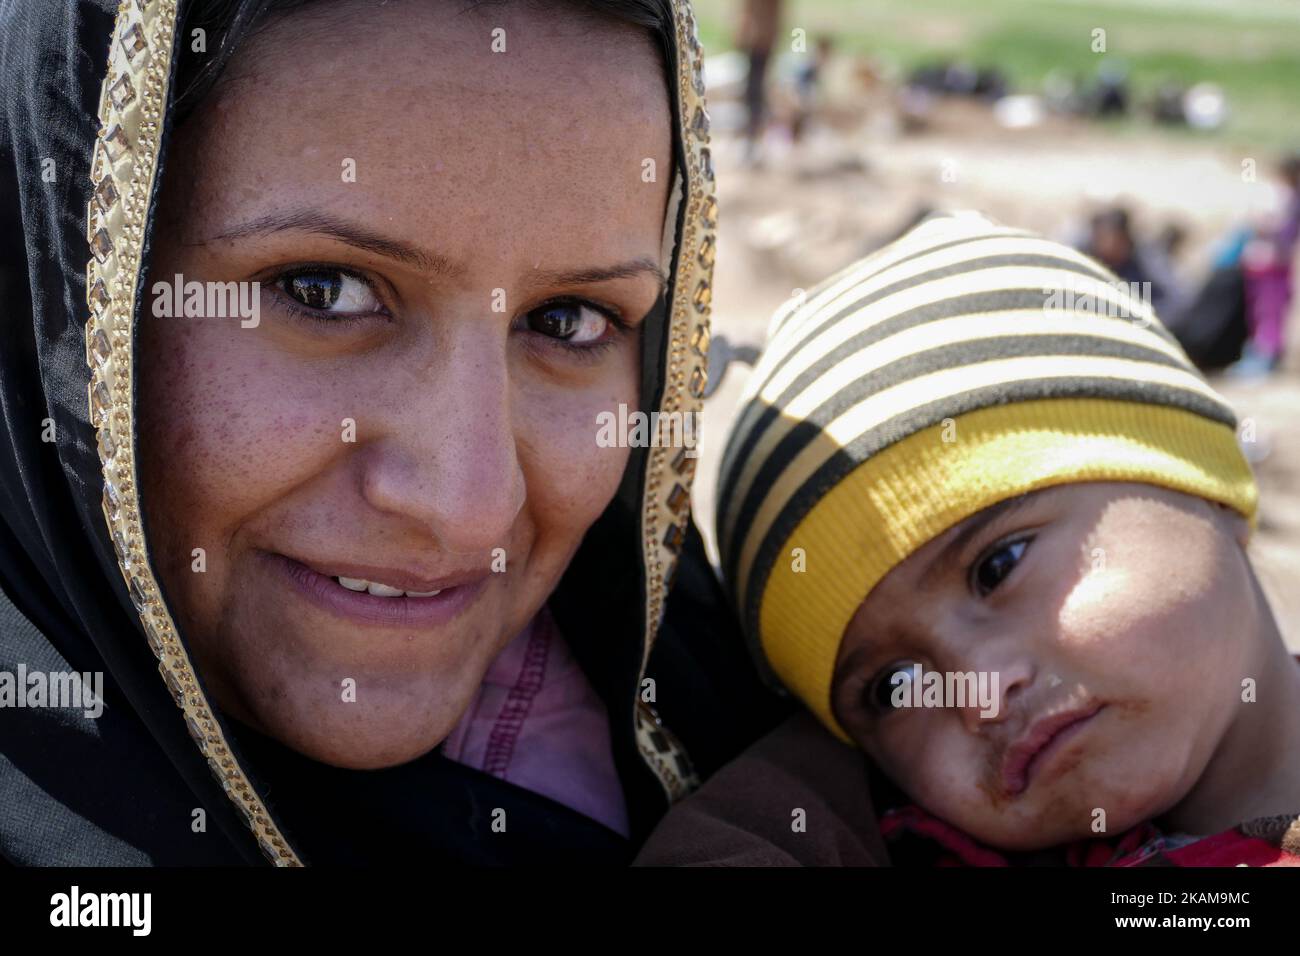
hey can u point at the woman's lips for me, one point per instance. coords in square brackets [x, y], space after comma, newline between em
[1031, 753]
[361, 607]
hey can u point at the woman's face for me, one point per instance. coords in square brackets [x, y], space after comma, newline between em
[455, 248]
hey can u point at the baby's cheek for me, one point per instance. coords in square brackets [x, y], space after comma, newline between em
[1155, 640]
[934, 760]
[1158, 587]
[1158, 627]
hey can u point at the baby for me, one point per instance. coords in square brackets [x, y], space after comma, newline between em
[983, 518]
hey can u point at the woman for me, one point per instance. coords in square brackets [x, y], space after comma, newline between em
[334, 523]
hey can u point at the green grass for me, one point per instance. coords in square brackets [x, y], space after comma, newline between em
[1250, 47]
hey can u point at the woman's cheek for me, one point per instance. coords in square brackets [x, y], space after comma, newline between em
[227, 433]
[574, 478]
[568, 470]
[238, 427]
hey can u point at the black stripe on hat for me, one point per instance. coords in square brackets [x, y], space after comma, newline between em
[826, 284]
[962, 267]
[756, 418]
[801, 339]
[937, 359]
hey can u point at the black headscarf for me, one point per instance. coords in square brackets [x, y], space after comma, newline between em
[160, 776]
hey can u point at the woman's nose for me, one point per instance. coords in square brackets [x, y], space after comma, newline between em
[448, 456]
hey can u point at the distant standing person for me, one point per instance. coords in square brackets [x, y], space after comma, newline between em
[807, 83]
[1268, 262]
[759, 22]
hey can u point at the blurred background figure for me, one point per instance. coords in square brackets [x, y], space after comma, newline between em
[760, 22]
[1238, 321]
[1110, 96]
[1268, 261]
[1159, 138]
[1111, 242]
[807, 84]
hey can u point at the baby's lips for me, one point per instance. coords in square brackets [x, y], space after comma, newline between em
[1019, 758]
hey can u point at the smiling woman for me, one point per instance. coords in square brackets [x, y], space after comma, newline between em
[462, 306]
[405, 604]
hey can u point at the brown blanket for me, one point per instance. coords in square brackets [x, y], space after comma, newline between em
[745, 815]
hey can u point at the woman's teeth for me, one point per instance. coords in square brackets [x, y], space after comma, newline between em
[382, 590]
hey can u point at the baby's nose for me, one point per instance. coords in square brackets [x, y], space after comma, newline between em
[999, 686]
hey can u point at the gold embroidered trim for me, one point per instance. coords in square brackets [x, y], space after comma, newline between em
[122, 171]
[670, 472]
[664, 753]
[123, 168]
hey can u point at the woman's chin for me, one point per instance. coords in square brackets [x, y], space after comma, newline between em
[372, 742]
[346, 696]
[381, 718]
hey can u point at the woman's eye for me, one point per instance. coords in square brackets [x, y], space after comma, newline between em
[890, 684]
[990, 570]
[571, 322]
[330, 290]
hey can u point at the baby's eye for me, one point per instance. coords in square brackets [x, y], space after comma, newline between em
[331, 291]
[993, 567]
[574, 323]
[896, 679]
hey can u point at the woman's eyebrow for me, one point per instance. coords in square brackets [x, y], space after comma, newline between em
[354, 234]
[623, 270]
[324, 224]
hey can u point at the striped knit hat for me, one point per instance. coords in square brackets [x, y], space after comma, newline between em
[964, 364]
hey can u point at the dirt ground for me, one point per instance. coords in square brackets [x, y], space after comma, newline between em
[812, 209]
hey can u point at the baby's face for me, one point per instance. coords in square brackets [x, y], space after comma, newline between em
[1116, 623]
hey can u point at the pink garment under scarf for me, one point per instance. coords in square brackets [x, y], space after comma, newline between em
[536, 722]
